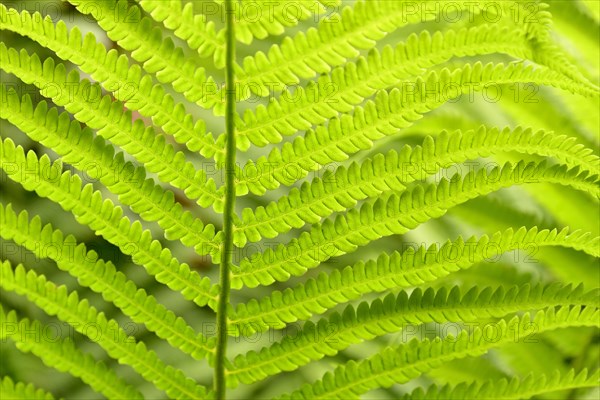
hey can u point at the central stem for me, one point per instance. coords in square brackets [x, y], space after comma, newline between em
[220, 383]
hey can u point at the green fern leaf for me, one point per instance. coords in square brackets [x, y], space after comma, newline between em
[107, 116]
[62, 355]
[316, 151]
[277, 17]
[394, 171]
[97, 158]
[396, 270]
[200, 35]
[349, 86]
[406, 362]
[77, 260]
[114, 72]
[394, 313]
[390, 111]
[358, 27]
[126, 26]
[103, 217]
[392, 214]
[56, 300]
[20, 391]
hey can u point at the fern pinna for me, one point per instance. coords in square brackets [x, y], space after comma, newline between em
[357, 199]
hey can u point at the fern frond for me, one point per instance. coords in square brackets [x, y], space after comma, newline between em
[517, 388]
[385, 116]
[115, 73]
[562, 207]
[349, 85]
[10, 390]
[392, 314]
[84, 101]
[395, 214]
[531, 114]
[335, 40]
[200, 35]
[317, 50]
[342, 189]
[405, 362]
[159, 56]
[396, 270]
[89, 208]
[56, 300]
[62, 355]
[273, 18]
[348, 148]
[102, 277]
[94, 156]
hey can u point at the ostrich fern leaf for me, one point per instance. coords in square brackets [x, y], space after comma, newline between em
[253, 199]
